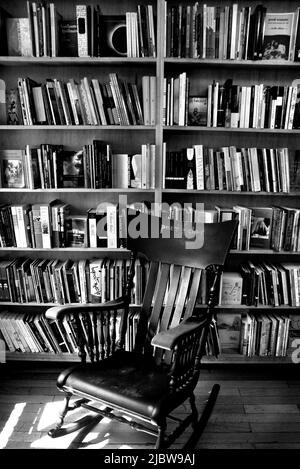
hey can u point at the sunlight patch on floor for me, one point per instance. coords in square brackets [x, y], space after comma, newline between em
[11, 423]
[49, 415]
[46, 442]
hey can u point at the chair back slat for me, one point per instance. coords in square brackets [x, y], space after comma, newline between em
[162, 281]
[170, 297]
[193, 293]
[168, 309]
[146, 306]
[182, 294]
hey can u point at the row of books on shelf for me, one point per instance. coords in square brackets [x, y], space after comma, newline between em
[86, 32]
[55, 225]
[273, 227]
[234, 31]
[54, 281]
[94, 166]
[89, 102]
[264, 335]
[229, 105]
[228, 168]
[261, 284]
[34, 333]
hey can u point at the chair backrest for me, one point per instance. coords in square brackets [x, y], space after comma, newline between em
[174, 277]
[170, 294]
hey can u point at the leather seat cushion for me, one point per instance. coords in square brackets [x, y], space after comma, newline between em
[126, 380]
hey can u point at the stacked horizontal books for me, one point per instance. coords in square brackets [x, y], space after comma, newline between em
[88, 102]
[227, 168]
[235, 31]
[94, 166]
[33, 333]
[55, 281]
[256, 106]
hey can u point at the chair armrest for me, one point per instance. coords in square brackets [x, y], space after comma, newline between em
[57, 312]
[168, 339]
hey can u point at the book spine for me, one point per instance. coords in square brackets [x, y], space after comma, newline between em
[82, 30]
[45, 226]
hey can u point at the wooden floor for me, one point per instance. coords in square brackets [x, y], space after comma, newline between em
[257, 408]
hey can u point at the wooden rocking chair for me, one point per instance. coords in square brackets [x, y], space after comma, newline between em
[150, 382]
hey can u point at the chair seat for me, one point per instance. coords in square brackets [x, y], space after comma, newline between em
[125, 380]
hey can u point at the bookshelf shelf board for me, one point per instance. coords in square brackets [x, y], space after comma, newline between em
[233, 63]
[264, 251]
[213, 193]
[193, 128]
[27, 128]
[236, 358]
[42, 356]
[78, 189]
[222, 359]
[90, 61]
[47, 305]
[68, 249]
[252, 308]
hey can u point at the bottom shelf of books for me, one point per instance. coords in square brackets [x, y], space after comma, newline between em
[235, 336]
[257, 319]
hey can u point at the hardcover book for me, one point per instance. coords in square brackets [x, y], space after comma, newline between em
[71, 171]
[68, 38]
[197, 110]
[261, 221]
[12, 168]
[231, 288]
[229, 329]
[18, 37]
[76, 230]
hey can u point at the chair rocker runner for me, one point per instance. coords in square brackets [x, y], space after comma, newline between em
[150, 382]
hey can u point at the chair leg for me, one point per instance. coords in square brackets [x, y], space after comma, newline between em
[55, 431]
[194, 411]
[160, 442]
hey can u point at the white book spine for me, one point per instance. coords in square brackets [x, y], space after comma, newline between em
[46, 226]
[292, 107]
[215, 103]
[21, 226]
[112, 241]
[152, 100]
[233, 30]
[255, 169]
[82, 32]
[199, 167]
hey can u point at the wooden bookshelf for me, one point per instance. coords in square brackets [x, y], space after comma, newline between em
[129, 138]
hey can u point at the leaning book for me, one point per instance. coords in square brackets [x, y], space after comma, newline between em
[277, 36]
